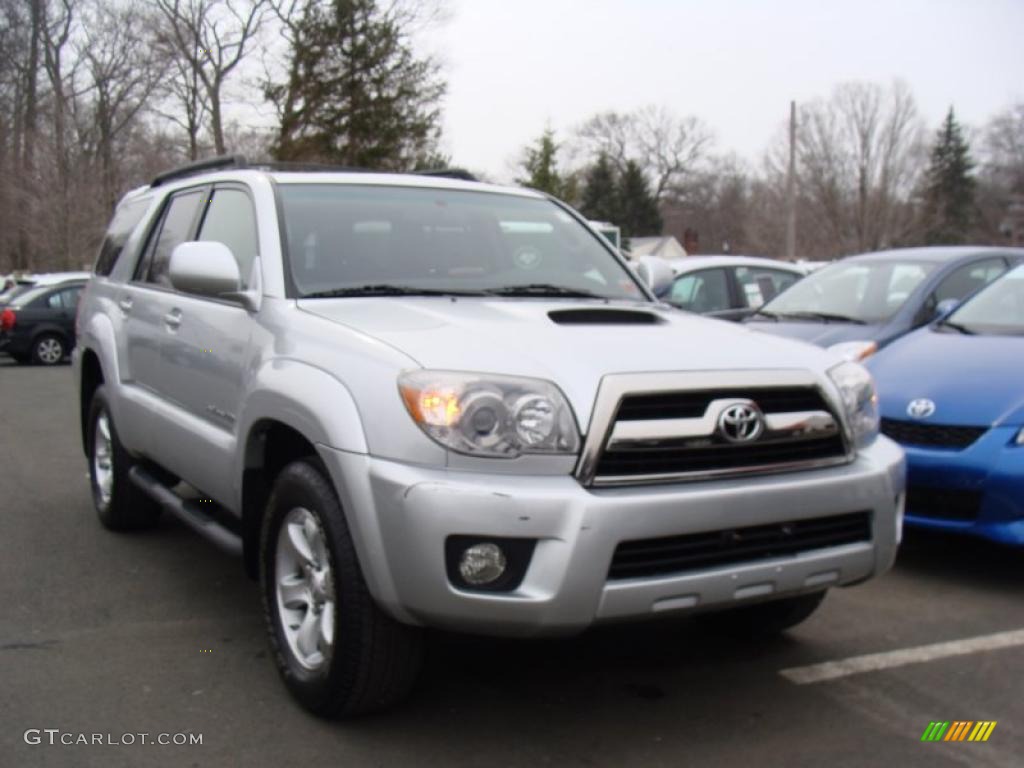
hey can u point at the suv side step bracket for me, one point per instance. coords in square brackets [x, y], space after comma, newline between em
[188, 511]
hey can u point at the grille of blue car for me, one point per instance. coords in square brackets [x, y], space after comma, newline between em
[733, 546]
[932, 435]
[943, 503]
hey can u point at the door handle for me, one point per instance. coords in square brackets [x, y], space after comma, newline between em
[173, 318]
[125, 304]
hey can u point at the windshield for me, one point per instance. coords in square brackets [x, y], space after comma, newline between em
[354, 239]
[864, 291]
[28, 295]
[997, 309]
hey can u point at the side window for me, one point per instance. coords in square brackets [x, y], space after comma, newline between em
[967, 279]
[175, 227]
[704, 291]
[762, 285]
[230, 219]
[54, 301]
[70, 298]
[121, 227]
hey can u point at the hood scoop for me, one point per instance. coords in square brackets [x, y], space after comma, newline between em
[604, 317]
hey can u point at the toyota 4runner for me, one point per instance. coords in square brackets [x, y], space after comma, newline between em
[413, 401]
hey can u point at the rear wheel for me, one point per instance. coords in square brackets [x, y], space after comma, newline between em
[48, 349]
[765, 619]
[120, 505]
[338, 653]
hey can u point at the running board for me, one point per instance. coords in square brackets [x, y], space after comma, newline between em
[189, 512]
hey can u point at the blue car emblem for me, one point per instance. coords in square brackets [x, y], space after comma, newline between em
[921, 408]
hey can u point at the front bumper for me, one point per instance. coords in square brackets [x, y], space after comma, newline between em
[401, 516]
[977, 491]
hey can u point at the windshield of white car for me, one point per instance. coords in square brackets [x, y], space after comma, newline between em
[998, 309]
[862, 291]
[358, 240]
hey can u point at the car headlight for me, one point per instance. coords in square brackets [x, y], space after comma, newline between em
[487, 415]
[1020, 437]
[854, 351]
[857, 389]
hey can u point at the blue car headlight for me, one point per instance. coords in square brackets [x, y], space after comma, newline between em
[1020, 437]
[857, 389]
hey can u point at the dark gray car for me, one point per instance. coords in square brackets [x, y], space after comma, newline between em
[864, 302]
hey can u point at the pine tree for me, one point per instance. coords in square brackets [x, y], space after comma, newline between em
[638, 213]
[356, 94]
[600, 193]
[541, 166]
[949, 190]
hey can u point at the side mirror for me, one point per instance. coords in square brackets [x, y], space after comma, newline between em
[945, 307]
[206, 268]
[656, 274]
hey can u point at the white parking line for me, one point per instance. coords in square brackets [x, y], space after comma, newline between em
[830, 670]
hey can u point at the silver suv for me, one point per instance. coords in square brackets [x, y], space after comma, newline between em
[415, 401]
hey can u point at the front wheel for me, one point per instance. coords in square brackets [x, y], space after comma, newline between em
[764, 619]
[337, 652]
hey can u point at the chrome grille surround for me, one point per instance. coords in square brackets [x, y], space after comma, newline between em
[785, 429]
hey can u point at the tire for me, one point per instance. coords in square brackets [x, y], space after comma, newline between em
[49, 349]
[765, 619]
[120, 505]
[354, 658]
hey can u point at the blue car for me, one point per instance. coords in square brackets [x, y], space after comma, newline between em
[861, 303]
[952, 394]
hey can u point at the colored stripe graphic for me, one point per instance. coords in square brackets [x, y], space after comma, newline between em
[958, 730]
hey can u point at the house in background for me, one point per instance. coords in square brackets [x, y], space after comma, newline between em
[665, 247]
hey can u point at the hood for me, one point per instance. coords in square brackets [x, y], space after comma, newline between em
[820, 333]
[519, 337]
[973, 380]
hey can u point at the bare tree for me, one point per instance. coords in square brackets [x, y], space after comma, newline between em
[122, 76]
[666, 147]
[860, 156]
[211, 38]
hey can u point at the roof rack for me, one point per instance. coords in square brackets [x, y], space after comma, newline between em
[239, 161]
[201, 166]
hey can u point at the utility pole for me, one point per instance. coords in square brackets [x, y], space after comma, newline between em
[791, 187]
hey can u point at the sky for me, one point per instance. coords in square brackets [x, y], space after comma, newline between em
[515, 67]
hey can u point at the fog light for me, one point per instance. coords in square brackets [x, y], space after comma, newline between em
[482, 564]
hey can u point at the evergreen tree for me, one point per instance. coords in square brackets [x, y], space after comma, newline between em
[356, 94]
[541, 166]
[600, 193]
[949, 191]
[638, 213]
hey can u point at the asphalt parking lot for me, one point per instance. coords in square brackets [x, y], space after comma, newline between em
[159, 632]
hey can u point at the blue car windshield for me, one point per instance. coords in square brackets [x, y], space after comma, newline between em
[997, 309]
[863, 290]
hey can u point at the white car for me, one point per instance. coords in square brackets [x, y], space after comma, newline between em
[728, 287]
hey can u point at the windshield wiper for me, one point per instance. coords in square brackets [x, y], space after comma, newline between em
[957, 327]
[544, 289]
[773, 315]
[826, 316]
[388, 289]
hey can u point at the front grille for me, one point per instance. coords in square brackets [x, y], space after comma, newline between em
[647, 447]
[687, 405]
[734, 546]
[943, 503]
[669, 458]
[933, 435]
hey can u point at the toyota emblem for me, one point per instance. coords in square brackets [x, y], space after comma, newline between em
[740, 423]
[921, 408]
